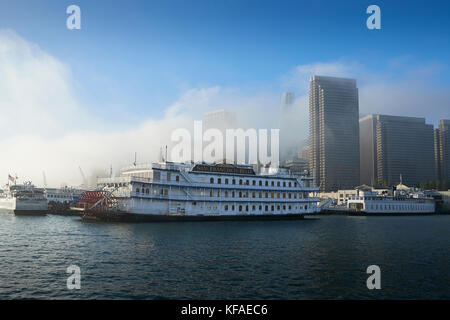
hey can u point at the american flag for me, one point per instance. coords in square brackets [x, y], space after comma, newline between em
[11, 178]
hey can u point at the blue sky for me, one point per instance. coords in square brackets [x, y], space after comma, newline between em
[144, 54]
[137, 70]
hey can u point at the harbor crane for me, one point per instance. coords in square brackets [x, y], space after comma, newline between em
[85, 184]
[44, 179]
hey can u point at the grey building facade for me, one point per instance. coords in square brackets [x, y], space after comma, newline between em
[437, 154]
[334, 133]
[392, 146]
[368, 150]
[444, 151]
[287, 100]
[222, 120]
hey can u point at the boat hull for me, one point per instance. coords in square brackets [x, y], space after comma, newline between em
[390, 214]
[30, 212]
[24, 212]
[24, 208]
[129, 217]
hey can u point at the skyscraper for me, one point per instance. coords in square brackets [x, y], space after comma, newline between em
[334, 132]
[392, 146]
[287, 99]
[222, 120]
[290, 140]
[437, 154]
[444, 152]
[368, 149]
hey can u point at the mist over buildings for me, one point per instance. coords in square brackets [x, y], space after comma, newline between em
[46, 127]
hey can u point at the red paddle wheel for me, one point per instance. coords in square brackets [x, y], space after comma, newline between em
[97, 201]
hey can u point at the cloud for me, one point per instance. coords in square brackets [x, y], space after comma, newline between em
[35, 90]
[298, 78]
[46, 128]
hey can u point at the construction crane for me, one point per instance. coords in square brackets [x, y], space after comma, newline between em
[44, 179]
[85, 184]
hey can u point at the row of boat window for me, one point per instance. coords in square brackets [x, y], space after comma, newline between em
[395, 207]
[162, 191]
[233, 194]
[246, 194]
[267, 208]
[58, 196]
[253, 182]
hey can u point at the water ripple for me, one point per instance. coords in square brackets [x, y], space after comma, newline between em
[319, 259]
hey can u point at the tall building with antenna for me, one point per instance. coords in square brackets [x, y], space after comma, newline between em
[287, 100]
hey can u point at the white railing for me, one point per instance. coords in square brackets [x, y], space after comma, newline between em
[113, 180]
